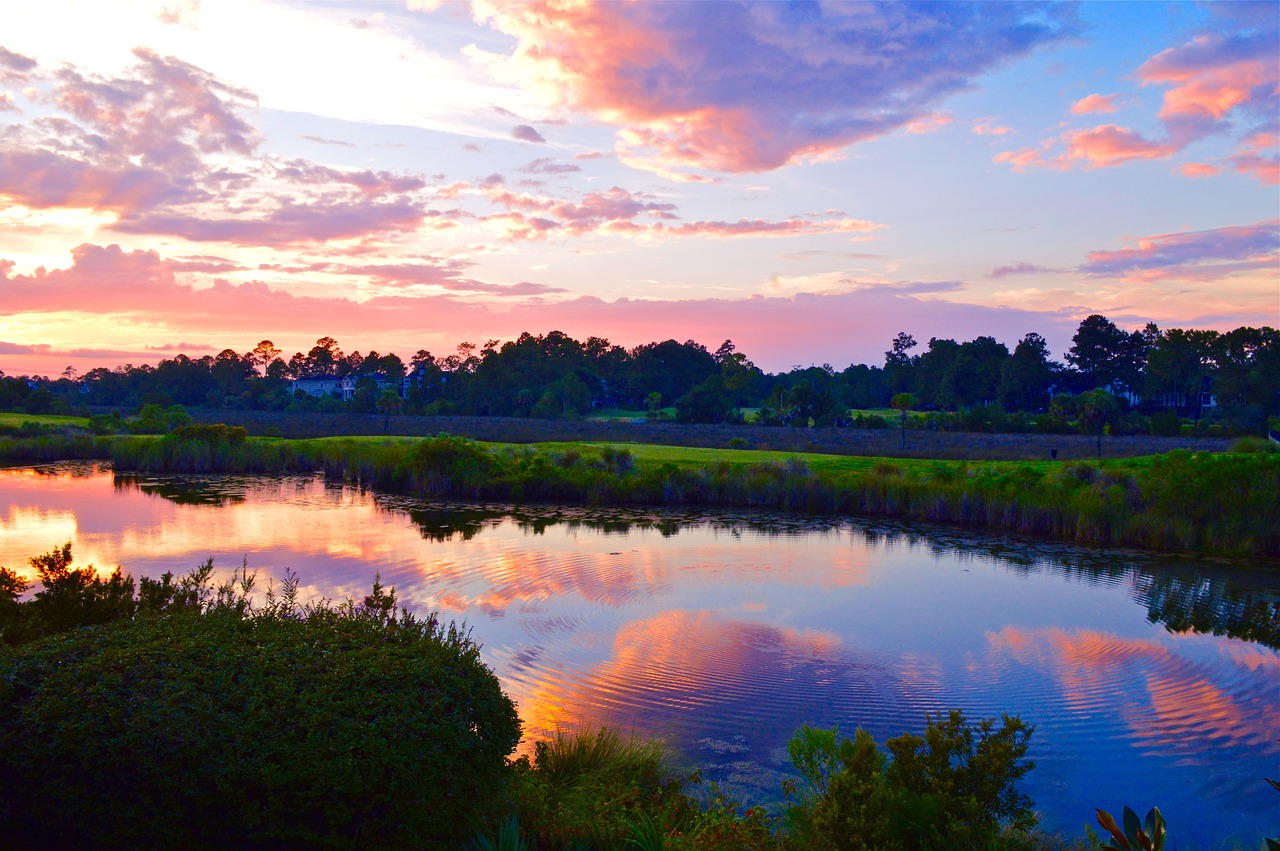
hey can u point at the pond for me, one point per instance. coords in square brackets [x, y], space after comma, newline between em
[1150, 681]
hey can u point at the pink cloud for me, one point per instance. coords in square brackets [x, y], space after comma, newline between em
[367, 182]
[1110, 144]
[616, 210]
[1220, 76]
[988, 127]
[777, 83]
[1209, 255]
[1022, 268]
[141, 146]
[11, 61]
[1214, 74]
[929, 123]
[1198, 170]
[286, 224]
[546, 165]
[1259, 157]
[1043, 157]
[1094, 103]
[761, 227]
[1100, 147]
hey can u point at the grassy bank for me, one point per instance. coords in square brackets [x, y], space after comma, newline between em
[1222, 503]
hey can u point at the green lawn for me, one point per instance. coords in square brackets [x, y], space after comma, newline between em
[697, 457]
[16, 420]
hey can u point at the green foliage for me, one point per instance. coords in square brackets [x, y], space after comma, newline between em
[601, 790]
[154, 419]
[446, 466]
[1147, 835]
[211, 433]
[106, 424]
[1166, 424]
[1255, 444]
[212, 725]
[70, 598]
[953, 787]
[507, 838]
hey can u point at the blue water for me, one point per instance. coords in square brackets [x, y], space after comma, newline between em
[724, 632]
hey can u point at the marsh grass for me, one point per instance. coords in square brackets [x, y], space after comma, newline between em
[600, 789]
[1223, 503]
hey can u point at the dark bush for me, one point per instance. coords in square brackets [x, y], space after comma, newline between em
[288, 728]
[210, 433]
[444, 465]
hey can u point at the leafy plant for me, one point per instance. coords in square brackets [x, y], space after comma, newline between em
[288, 726]
[955, 786]
[1146, 835]
[508, 838]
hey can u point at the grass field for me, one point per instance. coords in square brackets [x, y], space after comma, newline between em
[16, 420]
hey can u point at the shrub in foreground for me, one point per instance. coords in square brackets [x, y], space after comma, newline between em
[953, 787]
[602, 790]
[221, 727]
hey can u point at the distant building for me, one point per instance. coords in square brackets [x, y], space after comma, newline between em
[324, 385]
[1164, 401]
[345, 387]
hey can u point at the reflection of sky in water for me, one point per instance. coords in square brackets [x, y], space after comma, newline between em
[724, 637]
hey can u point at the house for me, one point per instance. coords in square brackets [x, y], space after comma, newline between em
[325, 385]
[343, 387]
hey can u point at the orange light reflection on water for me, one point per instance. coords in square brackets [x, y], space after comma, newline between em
[1169, 699]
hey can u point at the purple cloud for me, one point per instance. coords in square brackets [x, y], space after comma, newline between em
[778, 81]
[1206, 254]
[525, 133]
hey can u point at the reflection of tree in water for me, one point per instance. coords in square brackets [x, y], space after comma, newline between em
[1209, 598]
[68, 469]
[1212, 605]
[1204, 597]
[438, 521]
[439, 524]
[183, 491]
[1183, 596]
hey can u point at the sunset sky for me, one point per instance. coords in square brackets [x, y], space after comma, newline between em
[805, 179]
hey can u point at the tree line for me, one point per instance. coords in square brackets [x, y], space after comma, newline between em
[1172, 373]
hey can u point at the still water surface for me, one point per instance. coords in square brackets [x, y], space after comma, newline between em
[724, 632]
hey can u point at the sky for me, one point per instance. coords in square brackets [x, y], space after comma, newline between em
[805, 179]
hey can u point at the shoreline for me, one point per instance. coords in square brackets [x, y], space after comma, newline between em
[1209, 504]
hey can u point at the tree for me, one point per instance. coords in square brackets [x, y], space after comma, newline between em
[1028, 372]
[324, 357]
[706, 403]
[931, 370]
[903, 402]
[737, 371]
[1178, 367]
[1095, 409]
[568, 395]
[389, 403]
[898, 364]
[263, 354]
[1095, 351]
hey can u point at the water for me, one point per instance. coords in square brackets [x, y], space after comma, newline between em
[722, 633]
